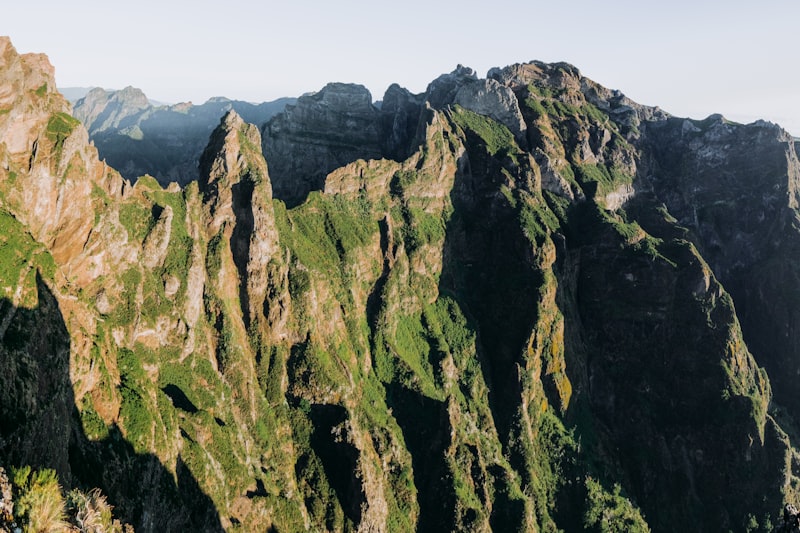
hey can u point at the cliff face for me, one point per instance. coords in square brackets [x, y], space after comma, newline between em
[321, 132]
[521, 303]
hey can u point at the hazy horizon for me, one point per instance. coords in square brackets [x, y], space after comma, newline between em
[689, 58]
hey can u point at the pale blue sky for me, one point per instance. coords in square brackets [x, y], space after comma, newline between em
[692, 58]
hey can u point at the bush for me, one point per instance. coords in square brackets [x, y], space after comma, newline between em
[39, 503]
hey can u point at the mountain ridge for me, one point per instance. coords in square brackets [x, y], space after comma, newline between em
[519, 322]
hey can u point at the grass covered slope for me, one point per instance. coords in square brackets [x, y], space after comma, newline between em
[506, 331]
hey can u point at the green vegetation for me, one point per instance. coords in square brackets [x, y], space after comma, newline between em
[39, 503]
[179, 250]
[320, 498]
[422, 228]
[428, 347]
[126, 310]
[21, 257]
[93, 509]
[405, 356]
[546, 101]
[93, 425]
[536, 219]
[634, 237]
[136, 411]
[323, 232]
[611, 512]
[214, 255]
[196, 378]
[59, 127]
[497, 138]
[599, 180]
[41, 506]
[136, 219]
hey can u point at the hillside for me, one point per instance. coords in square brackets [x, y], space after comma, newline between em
[519, 303]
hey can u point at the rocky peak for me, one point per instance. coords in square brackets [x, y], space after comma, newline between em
[489, 98]
[401, 120]
[166, 142]
[442, 90]
[31, 72]
[101, 110]
[25, 80]
[336, 374]
[565, 82]
[349, 98]
[46, 156]
[238, 206]
[483, 96]
[397, 97]
[232, 156]
[561, 76]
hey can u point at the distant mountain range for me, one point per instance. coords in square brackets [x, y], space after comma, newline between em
[137, 136]
[73, 94]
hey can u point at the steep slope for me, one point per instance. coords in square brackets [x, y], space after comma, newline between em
[518, 320]
[137, 137]
[743, 214]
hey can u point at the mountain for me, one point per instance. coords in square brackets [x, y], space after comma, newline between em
[138, 137]
[514, 303]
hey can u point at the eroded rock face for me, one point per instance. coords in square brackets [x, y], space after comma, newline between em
[238, 200]
[573, 89]
[401, 113]
[44, 142]
[443, 90]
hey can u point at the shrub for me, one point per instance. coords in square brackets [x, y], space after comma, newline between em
[91, 513]
[39, 503]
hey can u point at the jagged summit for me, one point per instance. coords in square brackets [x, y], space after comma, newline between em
[233, 151]
[339, 124]
[441, 91]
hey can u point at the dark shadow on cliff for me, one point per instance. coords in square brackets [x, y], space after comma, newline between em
[488, 269]
[40, 426]
[339, 458]
[424, 422]
[684, 448]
